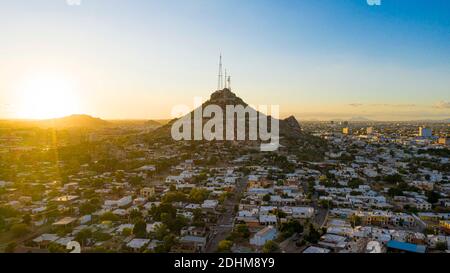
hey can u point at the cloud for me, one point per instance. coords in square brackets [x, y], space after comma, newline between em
[442, 104]
[356, 104]
[383, 105]
[393, 105]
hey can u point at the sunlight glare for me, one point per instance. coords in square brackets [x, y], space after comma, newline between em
[46, 96]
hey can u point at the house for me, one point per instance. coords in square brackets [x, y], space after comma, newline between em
[147, 168]
[45, 239]
[122, 202]
[137, 244]
[85, 219]
[266, 234]
[66, 221]
[316, 250]
[210, 204]
[196, 243]
[333, 241]
[147, 192]
[302, 212]
[397, 246]
[152, 227]
[268, 219]
[445, 225]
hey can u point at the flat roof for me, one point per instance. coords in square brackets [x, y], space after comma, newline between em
[65, 221]
[406, 246]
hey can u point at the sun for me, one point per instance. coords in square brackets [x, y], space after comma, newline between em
[46, 96]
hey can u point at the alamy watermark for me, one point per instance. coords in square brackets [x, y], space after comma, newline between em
[73, 2]
[373, 2]
[235, 120]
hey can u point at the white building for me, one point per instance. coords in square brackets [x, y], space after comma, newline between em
[266, 234]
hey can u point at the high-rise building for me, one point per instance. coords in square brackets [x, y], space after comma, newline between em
[425, 132]
[444, 141]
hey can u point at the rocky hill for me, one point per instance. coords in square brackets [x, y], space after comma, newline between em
[291, 134]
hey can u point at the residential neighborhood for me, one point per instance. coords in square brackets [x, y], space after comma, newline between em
[374, 190]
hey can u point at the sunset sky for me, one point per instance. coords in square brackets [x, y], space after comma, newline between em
[317, 59]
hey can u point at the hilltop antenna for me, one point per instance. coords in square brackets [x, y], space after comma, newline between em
[220, 76]
[225, 78]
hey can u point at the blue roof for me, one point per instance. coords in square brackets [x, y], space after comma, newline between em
[406, 246]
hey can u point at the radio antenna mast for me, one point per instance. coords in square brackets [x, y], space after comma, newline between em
[220, 76]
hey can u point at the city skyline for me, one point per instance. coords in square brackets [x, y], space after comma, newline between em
[318, 60]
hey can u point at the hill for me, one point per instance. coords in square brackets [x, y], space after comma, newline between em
[290, 132]
[72, 121]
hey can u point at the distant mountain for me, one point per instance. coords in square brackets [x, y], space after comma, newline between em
[153, 123]
[72, 121]
[359, 119]
[162, 121]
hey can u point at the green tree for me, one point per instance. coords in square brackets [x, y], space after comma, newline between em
[224, 246]
[270, 247]
[83, 236]
[10, 247]
[161, 231]
[101, 236]
[313, 235]
[140, 229]
[441, 246]
[26, 219]
[127, 232]
[19, 230]
[109, 216]
[291, 227]
[198, 195]
[242, 231]
[135, 215]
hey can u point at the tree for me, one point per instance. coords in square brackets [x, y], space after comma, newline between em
[198, 195]
[161, 231]
[2, 223]
[156, 211]
[101, 236]
[169, 241]
[313, 235]
[224, 246]
[393, 178]
[270, 247]
[26, 219]
[88, 208]
[355, 183]
[174, 196]
[109, 216]
[10, 247]
[140, 229]
[433, 197]
[442, 246]
[127, 232]
[291, 227]
[83, 236]
[19, 230]
[135, 215]
[355, 220]
[266, 198]
[56, 248]
[242, 231]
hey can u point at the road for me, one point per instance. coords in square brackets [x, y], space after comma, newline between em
[321, 214]
[224, 224]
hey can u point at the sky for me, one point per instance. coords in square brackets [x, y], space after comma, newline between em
[316, 59]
